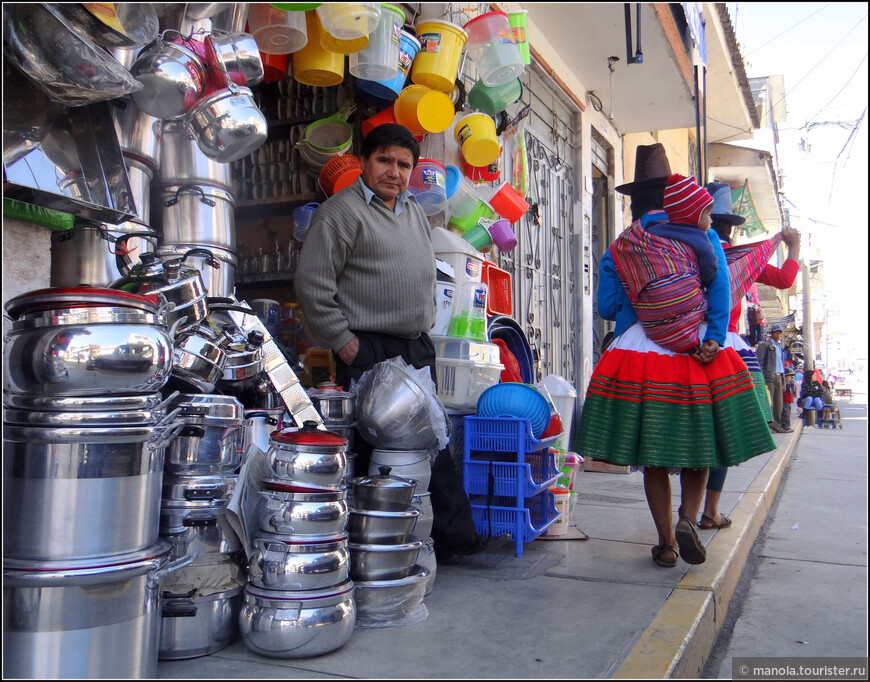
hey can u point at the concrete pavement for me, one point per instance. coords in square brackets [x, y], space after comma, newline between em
[592, 607]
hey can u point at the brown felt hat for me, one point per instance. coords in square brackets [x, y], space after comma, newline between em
[651, 167]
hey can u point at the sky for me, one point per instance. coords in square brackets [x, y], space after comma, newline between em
[820, 49]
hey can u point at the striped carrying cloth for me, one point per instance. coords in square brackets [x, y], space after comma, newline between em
[646, 405]
[663, 283]
[745, 263]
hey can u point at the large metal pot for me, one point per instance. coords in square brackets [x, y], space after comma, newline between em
[297, 624]
[227, 124]
[240, 56]
[333, 404]
[298, 562]
[388, 601]
[194, 214]
[172, 77]
[71, 493]
[220, 281]
[212, 438]
[139, 134]
[194, 626]
[302, 513]
[90, 619]
[204, 530]
[87, 351]
[184, 163]
[308, 457]
[413, 464]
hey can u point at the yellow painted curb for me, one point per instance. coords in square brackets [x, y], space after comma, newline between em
[677, 642]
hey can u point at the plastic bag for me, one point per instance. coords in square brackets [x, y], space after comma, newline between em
[515, 140]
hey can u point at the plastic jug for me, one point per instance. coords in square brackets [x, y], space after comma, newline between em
[468, 316]
[302, 219]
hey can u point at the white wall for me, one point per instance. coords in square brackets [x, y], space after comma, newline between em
[26, 259]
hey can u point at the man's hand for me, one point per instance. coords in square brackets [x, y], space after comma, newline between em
[349, 350]
[707, 351]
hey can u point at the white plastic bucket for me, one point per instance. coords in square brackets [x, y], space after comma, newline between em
[379, 60]
[492, 48]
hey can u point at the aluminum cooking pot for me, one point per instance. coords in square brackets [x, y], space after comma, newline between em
[109, 604]
[220, 282]
[227, 124]
[383, 491]
[139, 135]
[193, 214]
[308, 457]
[172, 77]
[333, 404]
[212, 438]
[194, 626]
[302, 513]
[298, 562]
[206, 491]
[240, 56]
[204, 530]
[297, 623]
[184, 163]
[198, 357]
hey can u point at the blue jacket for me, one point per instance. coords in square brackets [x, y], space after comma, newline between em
[614, 304]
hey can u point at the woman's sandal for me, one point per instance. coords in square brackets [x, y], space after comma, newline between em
[713, 525]
[659, 550]
[691, 549]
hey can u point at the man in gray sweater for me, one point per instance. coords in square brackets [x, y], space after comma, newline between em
[366, 283]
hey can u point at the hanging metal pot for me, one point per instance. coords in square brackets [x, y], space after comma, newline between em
[172, 77]
[194, 214]
[184, 163]
[139, 135]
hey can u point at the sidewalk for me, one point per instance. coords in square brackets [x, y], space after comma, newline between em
[580, 608]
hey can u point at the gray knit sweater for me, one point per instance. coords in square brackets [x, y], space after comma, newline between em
[364, 268]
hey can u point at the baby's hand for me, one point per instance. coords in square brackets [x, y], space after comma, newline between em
[707, 352]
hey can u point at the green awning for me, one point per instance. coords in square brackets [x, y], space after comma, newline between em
[742, 205]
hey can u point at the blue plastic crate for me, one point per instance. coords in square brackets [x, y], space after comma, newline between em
[515, 479]
[502, 434]
[523, 523]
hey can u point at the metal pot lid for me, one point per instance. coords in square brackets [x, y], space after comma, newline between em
[156, 551]
[79, 297]
[209, 405]
[308, 435]
[299, 595]
[383, 480]
[101, 403]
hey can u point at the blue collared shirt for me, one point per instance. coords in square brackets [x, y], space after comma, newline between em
[401, 200]
[780, 368]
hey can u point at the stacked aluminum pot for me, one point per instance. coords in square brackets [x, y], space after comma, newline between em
[201, 602]
[335, 406]
[382, 525]
[84, 439]
[299, 600]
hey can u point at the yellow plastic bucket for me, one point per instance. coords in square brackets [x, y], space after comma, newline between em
[475, 134]
[422, 110]
[437, 63]
[332, 44]
[312, 65]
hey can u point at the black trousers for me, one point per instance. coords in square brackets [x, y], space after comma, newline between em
[453, 528]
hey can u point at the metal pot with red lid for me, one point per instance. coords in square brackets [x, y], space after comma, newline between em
[86, 341]
[309, 457]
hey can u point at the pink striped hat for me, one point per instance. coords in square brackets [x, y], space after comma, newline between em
[685, 200]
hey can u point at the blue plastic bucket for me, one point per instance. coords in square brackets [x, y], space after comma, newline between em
[389, 90]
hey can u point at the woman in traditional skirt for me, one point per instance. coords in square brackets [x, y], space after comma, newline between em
[664, 411]
[724, 221]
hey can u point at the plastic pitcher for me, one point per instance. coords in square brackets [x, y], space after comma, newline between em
[312, 65]
[379, 60]
[428, 183]
[493, 101]
[468, 315]
[277, 31]
[349, 20]
[423, 110]
[518, 20]
[479, 237]
[492, 48]
[302, 220]
[390, 89]
[476, 136]
[437, 64]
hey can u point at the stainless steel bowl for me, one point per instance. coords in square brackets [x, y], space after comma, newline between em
[388, 601]
[382, 562]
[297, 624]
[368, 527]
[298, 562]
[302, 513]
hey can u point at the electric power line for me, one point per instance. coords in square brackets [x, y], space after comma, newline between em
[789, 29]
[854, 73]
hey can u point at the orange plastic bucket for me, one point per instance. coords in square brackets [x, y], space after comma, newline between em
[508, 203]
[387, 115]
[476, 136]
[423, 110]
[274, 66]
[312, 65]
[437, 63]
[338, 173]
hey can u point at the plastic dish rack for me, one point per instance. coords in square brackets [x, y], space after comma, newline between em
[523, 523]
[511, 479]
[502, 434]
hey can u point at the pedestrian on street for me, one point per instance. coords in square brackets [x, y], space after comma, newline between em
[788, 399]
[366, 283]
[659, 410]
[724, 222]
[769, 354]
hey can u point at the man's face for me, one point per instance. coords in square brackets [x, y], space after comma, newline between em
[387, 171]
[776, 336]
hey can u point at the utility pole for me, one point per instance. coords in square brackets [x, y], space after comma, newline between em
[808, 319]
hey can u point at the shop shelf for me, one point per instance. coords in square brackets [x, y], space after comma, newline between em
[502, 434]
[524, 524]
[511, 479]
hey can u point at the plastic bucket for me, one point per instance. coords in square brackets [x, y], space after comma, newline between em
[312, 65]
[481, 174]
[274, 66]
[277, 31]
[388, 115]
[502, 235]
[349, 20]
[518, 19]
[492, 49]
[428, 183]
[562, 498]
[492, 101]
[508, 203]
[476, 136]
[338, 173]
[380, 58]
[302, 220]
[437, 64]
[390, 89]
[333, 44]
[454, 178]
[479, 237]
[423, 110]
[479, 210]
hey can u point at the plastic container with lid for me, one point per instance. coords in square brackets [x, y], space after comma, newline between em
[465, 368]
[468, 317]
[492, 48]
[349, 20]
[562, 498]
[277, 31]
[466, 261]
[453, 348]
[428, 183]
[409, 46]
[563, 395]
[379, 60]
